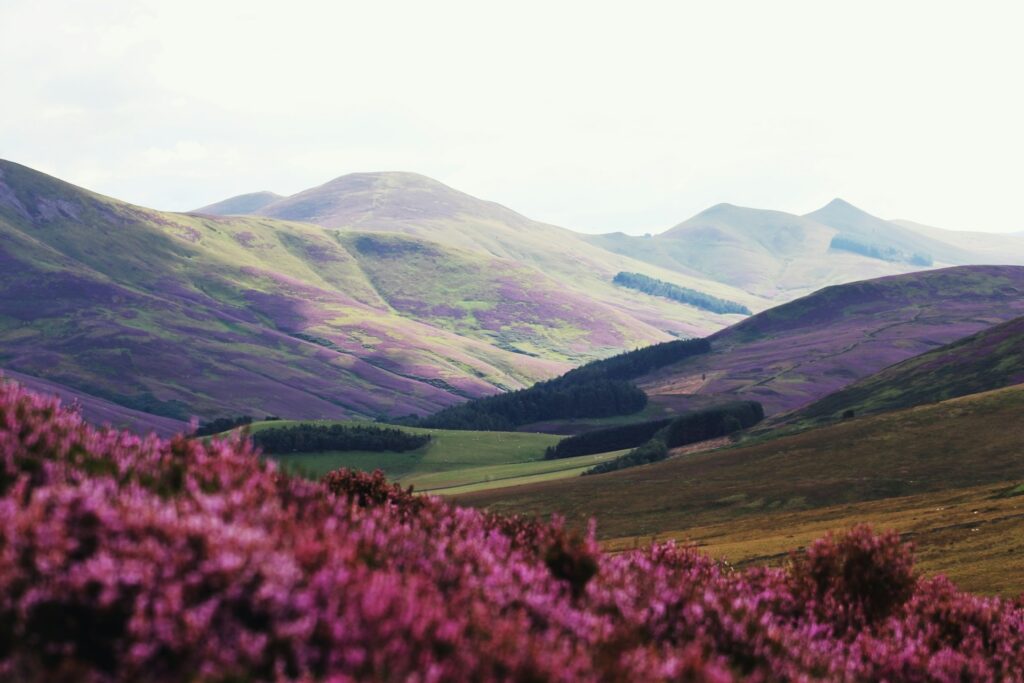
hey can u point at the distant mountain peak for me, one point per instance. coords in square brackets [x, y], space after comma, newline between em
[382, 198]
[240, 204]
[839, 208]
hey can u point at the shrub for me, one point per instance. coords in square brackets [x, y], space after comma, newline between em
[125, 558]
[654, 450]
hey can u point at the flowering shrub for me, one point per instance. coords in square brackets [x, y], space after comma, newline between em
[126, 558]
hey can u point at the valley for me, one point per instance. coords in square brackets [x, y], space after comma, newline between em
[511, 343]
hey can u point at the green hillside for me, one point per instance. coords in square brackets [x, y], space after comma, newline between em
[182, 314]
[773, 254]
[968, 441]
[990, 359]
[417, 206]
[452, 462]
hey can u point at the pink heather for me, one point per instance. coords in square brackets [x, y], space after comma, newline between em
[123, 559]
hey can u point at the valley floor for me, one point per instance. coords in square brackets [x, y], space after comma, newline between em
[944, 475]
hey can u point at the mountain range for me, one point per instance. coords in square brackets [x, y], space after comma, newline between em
[385, 294]
[781, 256]
[196, 314]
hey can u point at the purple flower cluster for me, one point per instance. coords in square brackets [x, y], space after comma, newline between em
[126, 558]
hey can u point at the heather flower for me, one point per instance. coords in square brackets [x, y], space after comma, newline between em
[125, 558]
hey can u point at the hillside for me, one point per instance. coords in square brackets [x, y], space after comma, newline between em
[1005, 249]
[242, 204]
[771, 253]
[799, 352]
[98, 411]
[181, 314]
[990, 359]
[862, 228]
[925, 450]
[420, 207]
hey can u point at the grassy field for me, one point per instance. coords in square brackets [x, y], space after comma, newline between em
[974, 535]
[453, 462]
[752, 501]
[502, 476]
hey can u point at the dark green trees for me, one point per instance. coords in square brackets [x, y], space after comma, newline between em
[655, 287]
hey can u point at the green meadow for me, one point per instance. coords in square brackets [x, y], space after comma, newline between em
[453, 462]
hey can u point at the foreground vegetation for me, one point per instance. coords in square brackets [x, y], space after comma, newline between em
[124, 558]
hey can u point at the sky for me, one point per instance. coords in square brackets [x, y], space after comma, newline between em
[596, 116]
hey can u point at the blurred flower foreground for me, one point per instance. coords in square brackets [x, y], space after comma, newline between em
[125, 558]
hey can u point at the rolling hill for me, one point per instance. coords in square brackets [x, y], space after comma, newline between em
[799, 352]
[899, 467]
[180, 314]
[990, 359]
[900, 243]
[242, 204]
[420, 207]
[1006, 249]
[780, 255]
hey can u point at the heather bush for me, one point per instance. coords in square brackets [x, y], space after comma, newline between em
[125, 558]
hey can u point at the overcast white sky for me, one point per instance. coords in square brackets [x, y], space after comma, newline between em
[620, 116]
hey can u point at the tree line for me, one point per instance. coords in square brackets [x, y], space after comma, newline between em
[310, 438]
[598, 389]
[606, 440]
[656, 287]
[846, 243]
[688, 428]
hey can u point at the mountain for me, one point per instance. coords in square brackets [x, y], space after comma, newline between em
[1005, 249]
[182, 314]
[990, 359]
[773, 254]
[799, 352]
[242, 204]
[420, 207]
[859, 230]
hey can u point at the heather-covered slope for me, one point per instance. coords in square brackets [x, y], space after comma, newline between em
[990, 359]
[98, 411]
[417, 206]
[180, 315]
[794, 354]
[124, 559]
